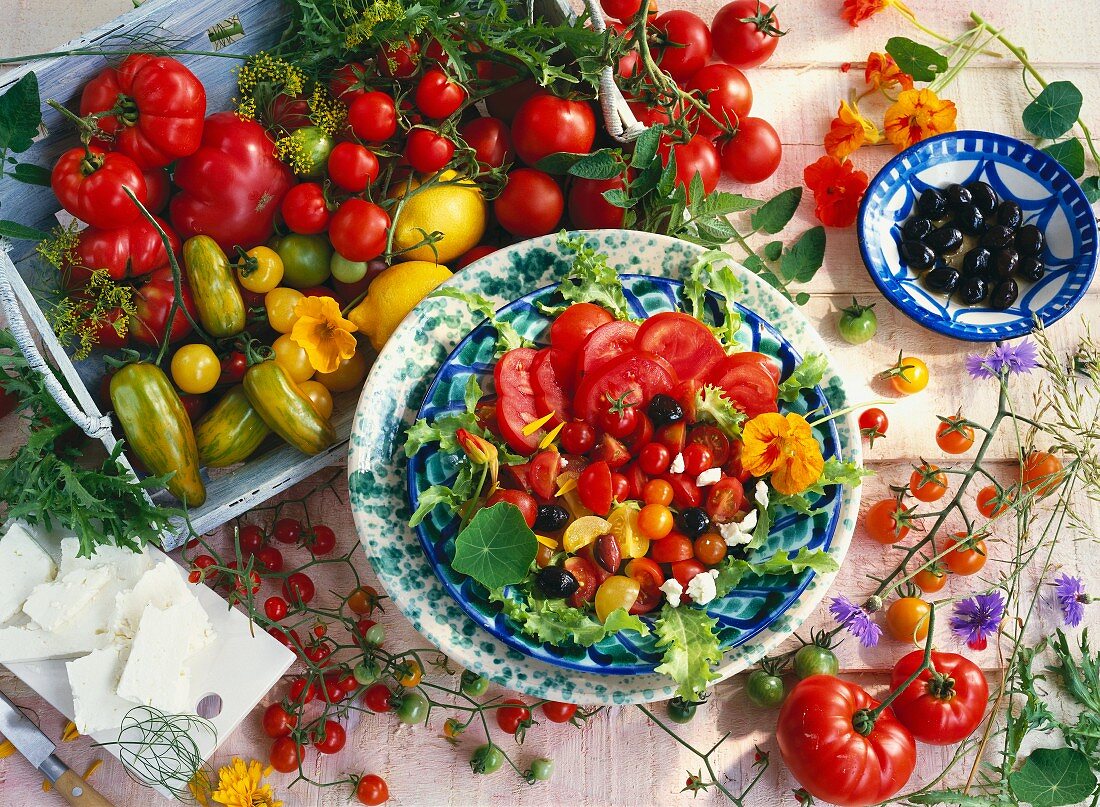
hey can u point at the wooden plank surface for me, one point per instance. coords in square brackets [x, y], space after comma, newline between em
[620, 758]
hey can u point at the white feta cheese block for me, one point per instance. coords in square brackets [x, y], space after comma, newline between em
[156, 674]
[31, 643]
[94, 681]
[55, 605]
[701, 588]
[128, 565]
[23, 565]
[162, 587]
[677, 465]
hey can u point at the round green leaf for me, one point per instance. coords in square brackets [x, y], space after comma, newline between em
[1052, 777]
[1054, 110]
[497, 547]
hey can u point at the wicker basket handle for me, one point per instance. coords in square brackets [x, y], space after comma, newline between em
[95, 427]
[617, 116]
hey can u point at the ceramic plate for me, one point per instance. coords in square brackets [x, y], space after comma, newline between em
[449, 612]
[1049, 197]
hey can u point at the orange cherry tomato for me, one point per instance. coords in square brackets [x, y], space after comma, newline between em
[930, 580]
[927, 483]
[954, 436]
[884, 521]
[657, 491]
[655, 521]
[964, 557]
[992, 501]
[907, 619]
[1042, 472]
[710, 548]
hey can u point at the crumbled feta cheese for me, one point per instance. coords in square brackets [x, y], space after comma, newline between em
[739, 533]
[701, 587]
[673, 590]
[761, 494]
[708, 477]
[677, 464]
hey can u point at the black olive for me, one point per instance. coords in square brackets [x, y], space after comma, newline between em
[957, 196]
[916, 228]
[1029, 240]
[983, 196]
[971, 290]
[551, 518]
[556, 583]
[943, 279]
[916, 254]
[997, 237]
[977, 262]
[1004, 263]
[1004, 294]
[969, 219]
[945, 240]
[664, 409]
[1030, 268]
[693, 521]
[1009, 214]
[932, 204]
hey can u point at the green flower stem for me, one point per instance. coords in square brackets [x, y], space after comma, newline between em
[926, 664]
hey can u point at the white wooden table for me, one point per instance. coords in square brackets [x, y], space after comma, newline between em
[620, 758]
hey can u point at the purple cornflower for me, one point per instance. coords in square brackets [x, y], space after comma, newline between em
[978, 367]
[1072, 599]
[1007, 359]
[855, 620]
[977, 618]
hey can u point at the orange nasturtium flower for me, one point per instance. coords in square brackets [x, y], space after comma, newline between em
[323, 333]
[883, 72]
[480, 451]
[856, 11]
[837, 188]
[785, 447]
[848, 131]
[916, 115]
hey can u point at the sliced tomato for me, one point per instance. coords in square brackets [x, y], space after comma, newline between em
[673, 436]
[641, 435]
[635, 478]
[752, 357]
[512, 374]
[748, 385]
[550, 395]
[565, 369]
[685, 393]
[572, 326]
[595, 488]
[725, 498]
[516, 399]
[636, 374]
[685, 493]
[585, 572]
[517, 476]
[611, 451]
[714, 439]
[544, 473]
[683, 341]
[733, 464]
[673, 548]
[649, 577]
[605, 343]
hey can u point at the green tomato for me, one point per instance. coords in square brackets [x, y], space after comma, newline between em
[312, 145]
[347, 271]
[305, 259]
[858, 323]
[680, 710]
[412, 708]
[474, 685]
[764, 689]
[814, 659]
[375, 635]
[486, 759]
[366, 673]
[542, 769]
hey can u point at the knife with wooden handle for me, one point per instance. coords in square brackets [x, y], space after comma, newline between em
[29, 740]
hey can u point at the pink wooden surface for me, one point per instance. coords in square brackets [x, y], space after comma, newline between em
[620, 758]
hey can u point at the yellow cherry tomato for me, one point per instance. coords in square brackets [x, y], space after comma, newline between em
[319, 396]
[624, 527]
[280, 304]
[261, 270]
[293, 358]
[584, 531]
[909, 375]
[196, 369]
[347, 376]
[411, 673]
[907, 619]
[614, 593]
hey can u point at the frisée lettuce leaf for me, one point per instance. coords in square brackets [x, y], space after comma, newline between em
[556, 623]
[591, 280]
[688, 640]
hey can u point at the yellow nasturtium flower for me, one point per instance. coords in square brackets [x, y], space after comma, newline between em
[785, 447]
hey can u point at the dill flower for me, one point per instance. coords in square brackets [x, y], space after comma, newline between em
[856, 620]
[242, 785]
[377, 12]
[265, 69]
[977, 618]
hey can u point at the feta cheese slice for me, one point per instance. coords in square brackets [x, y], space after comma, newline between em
[761, 494]
[708, 477]
[128, 565]
[156, 673]
[162, 587]
[673, 591]
[677, 464]
[701, 588]
[57, 604]
[23, 565]
[94, 681]
[31, 643]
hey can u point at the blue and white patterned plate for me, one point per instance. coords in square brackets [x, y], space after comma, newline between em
[399, 383]
[1049, 197]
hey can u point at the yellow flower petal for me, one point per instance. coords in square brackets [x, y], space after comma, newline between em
[323, 333]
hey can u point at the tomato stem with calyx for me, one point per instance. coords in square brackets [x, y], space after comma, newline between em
[87, 129]
[864, 720]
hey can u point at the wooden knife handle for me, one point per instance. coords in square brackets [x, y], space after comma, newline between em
[77, 792]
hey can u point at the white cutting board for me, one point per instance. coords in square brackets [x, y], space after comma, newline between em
[240, 667]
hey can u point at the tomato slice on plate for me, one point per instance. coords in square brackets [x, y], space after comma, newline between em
[550, 393]
[516, 399]
[752, 357]
[572, 326]
[649, 577]
[543, 474]
[637, 374]
[725, 499]
[512, 374]
[685, 493]
[683, 341]
[585, 572]
[748, 385]
[605, 343]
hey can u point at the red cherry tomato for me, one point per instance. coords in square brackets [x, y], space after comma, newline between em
[372, 790]
[333, 739]
[427, 150]
[577, 437]
[650, 578]
[589, 210]
[285, 755]
[688, 43]
[377, 698]
[697, 458]
[873, 424]
[654, 458]
[594, 488]
[358, 230]
[715, 440]
[437, 96]
[298, 588]
[304, 208]
[270, 559]
[373, 117]
[152, 305]
[275, 608]
[753, 154]
[277, 721]
[353, 167]
[546, 124]
[685, 570]
[490, 139]
[321, 539]
[523, 502]
[585, 571]
[696, 156]
[745, 33]
[475, 254]
[685, 493]
[673, 548]
[530, 205]
[400, 59]
[725, 499]
[727, 95]
[624, 10]
[557, 712]
[513, 715]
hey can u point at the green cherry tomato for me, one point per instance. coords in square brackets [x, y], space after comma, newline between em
[474, 685]
[347, 271]
[312, 145]
[764, 689]
[486, 759]
[542, 769]
[412, 709]
[813, 659]
[366, 673]
[858, 323]
[305, 259]
[375, 635]
[680, 710]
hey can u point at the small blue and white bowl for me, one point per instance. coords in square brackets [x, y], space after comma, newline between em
[1050, 199]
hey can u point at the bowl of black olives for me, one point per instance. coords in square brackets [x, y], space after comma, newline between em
[976, 235]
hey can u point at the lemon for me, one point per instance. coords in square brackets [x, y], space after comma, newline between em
[392, 295]
[455, 209]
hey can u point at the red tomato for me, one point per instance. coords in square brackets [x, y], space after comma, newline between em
[399, 60]
[285, 755]
[630, 62]
[550, 390]
[725, 499]
[649, 577]
[131, 251]
[697, 458]
[378, 698]
[619, 419]
[750, 387]
[828, 757]
[92, 186]
[673, 548]
[611, 451]
[673, 435]
[1042, 472]
[607, 342]
[594, 488]
[275, 608]
[714, 439]
[490, 140]
[305, 210]
[885, 521]
[530, 205]
[373, 117]
[753, 153]
[685, 493]
[727, 94]
[270, 558]
[437, 96]
[250, 538]
[688, 43]
[427, 150]
[475, 254]
[650, 115]
[942, 707]
[152, 304]
[557, 712]
[513, 715]
[158, 186]
[752, 357]
[577, 437]
[546, 124]
[620, 487]
[585, 571]
[573, 325]
[696, 156]
[543, 473]
[333, 739]
[745, 33]
[624, 10]
[352, 167]
[372, 790]
[654, 458]
[681, 340]
[358, 230]
[516, 399]
[589, 210]
[636, 374]
[277, 721]
[873, 424]
[504, 103]
[685, 571]
[348, 81]
[523, 502]
[298, 587]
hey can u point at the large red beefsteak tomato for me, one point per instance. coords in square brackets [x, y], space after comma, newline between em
[941, 707]
[131, 251]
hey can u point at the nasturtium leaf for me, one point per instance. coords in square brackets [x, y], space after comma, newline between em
[801, 298]
[801, 262]
[772, 216]
[1091, 187]
[20, 232]
[1054, 110]
[1051, 777]
[1071, 154]
[919, 61]
[496, 548]
[598, 165]
[20, 114]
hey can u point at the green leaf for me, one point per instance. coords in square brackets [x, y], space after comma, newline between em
[806, 375]
[772, 250]
[801, 298]
[591, 280]
[919, 61]
[801, 262]
[1071, 154]
[598, 165]
[554, 622]
[817, 559]
[1054, 110]
[667, 180]
[13, 229]
[618, 197]
[431, 498]
[1091, 187]
[959, 799]
[496, 548]
[559, 162]
[777, 212]
[645, 147]
[689, 644]
[31, 174]
[724, 203]
[20, 114]
[1051, 777]
[712, 272]
[508, 338]
[711, 404]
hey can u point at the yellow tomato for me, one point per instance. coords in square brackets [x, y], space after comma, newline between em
[280, 304]
[583, 531]
[319, 396]
[614, 593]
[909, 375]
[347, 376]
[454, 208]
[196, 369]
[293, 358]
[624, 527]
[261, 270]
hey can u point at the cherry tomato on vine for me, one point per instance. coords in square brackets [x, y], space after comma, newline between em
[358, 230]
[992, 501]
[333, 739]
[752, 153]
[302, 691]
[305, 210]
[275, 608]
[372, 790]
[813, 659]
[437, 96]
[412, 708]
[964, 557]
[373, 117]
[352, 166]
[427, 150]
[399, 59]
[473, 684]
[513, 716]
[1042, 472]
[542, 769]
[378, 698]
[270, 558]
[557, 712]
[954, 436]
[727, 94]
[764, 689]
[907, 619]
[530, 205]
[680, 710]
[363, 600]
[745, 33]
[686, 43]
[490, 139]
[927, 483]
[909, 375]
[873, 424]
[410, 673]
[285, 755]
[697, 156]
[287, 530]
[885, 521]
[624, 10]
[944, 706]
[277, 721]
[857, 323]
[486, 758]
[299, 587]
[930, 580]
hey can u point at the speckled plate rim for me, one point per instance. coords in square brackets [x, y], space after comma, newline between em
[928, 319]
[376, 472]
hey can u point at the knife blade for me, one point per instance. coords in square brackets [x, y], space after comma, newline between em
[38, 749]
